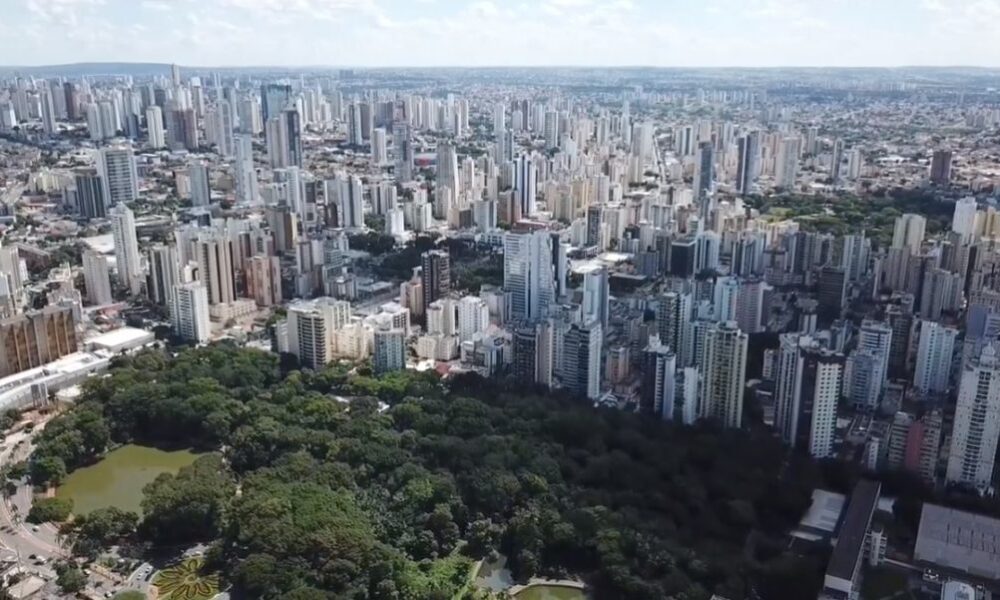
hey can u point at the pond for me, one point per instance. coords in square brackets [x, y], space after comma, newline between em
[117, 480]
[550, 592]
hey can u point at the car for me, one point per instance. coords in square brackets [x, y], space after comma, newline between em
[32, 556]
[34, 528]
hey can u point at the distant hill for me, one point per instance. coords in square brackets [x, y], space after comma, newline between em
[92, 69]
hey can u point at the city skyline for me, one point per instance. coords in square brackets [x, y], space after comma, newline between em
[481, 33]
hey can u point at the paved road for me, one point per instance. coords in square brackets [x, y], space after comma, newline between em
[24, 540]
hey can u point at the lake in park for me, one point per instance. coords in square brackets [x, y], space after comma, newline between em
[117, 480]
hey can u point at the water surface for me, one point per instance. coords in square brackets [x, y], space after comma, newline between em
[117, 480]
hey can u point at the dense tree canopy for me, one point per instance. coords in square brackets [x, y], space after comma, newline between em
[337, 484]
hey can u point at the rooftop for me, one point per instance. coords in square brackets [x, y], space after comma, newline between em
[959, 540]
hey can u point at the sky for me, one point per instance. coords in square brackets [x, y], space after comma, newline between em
[389, 33]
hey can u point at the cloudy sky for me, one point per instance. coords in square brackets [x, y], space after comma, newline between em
[503, 32]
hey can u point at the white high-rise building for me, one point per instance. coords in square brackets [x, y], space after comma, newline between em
[908, 232]
[935, 353]
[389, 352]
[963, 222]
[528, 273]
[473, 317]
[380, 147]
[349, 201]
[118, 175]
[596, 304]
[164, 274]
[977, 422]
[96, 279]
[154, 127]
[807, 390]
[525, 184]
[725, 374]
[311, 326]
[787, 165]
[48, 110]
[191, 318]
[659, 370]
[126, 248]
[224, 140]
[247, 191]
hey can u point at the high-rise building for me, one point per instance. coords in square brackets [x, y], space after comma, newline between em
[941, 167]
[659, 371]
[389, 352]
[225, 143]
[284, 139]
[525, 184]
[402, 149]
[704, 174]
[528, 273]
[748, 162]
[380, 148]
[119, 177]
[533, 352]
[807, 390]
[787, 166]
[244, 172]
[182, 129]
[48, 111]
[580, 371]
[214, 255]
[96, 279]
[473, 317]
[435, 275]
[348, 198]
[264, 280]
[836, 160]
[34, 338]
[725, 374]
[673, 324]
[126, 248]
[90, 199]
[310, 328]
[191, 317]
[908, 232]
[154, 127]
[935, 354]
[963, 221]
[977, 422]
[201, 194]
[596, 296]
[164, 274]
[274, 98]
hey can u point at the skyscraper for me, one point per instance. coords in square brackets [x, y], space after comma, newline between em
[154, 127]
[725, 374]
[807, 390]
[748, 162]
[581, 359]
[389, 352]
[525, 184]
[908, 232]
[214, 255]
[284, 139]
[126, 248]
[348, 198]
[90, 199]
[528, 273]
[935, 354]
[940, 172]
[164, 274]
[201, 194]
[659, 367]
[191, 318]
[244, 172]
[274, 98]
[836, 159]
[977, 422]
[704, 173]
[596, 303]
[96, 279]
[435, 275]
[118, 175]
[787, 167]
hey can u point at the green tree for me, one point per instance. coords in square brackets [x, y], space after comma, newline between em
[70, 579]
[45, 510]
